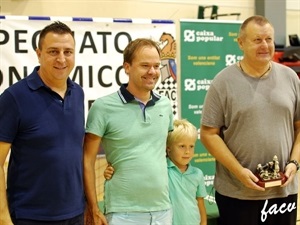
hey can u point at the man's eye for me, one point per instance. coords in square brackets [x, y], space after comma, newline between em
[257, 40]
[53, 52]
[68, 53]
[269, 40]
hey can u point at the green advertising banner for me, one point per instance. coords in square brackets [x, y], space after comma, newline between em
[206, 46]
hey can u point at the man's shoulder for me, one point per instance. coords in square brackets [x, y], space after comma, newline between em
[76, 85]
[108, 97]
[112, 97]
[226, 72]
[279, 66]
[18, 87]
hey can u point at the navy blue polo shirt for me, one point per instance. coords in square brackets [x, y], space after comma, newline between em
[44, 180]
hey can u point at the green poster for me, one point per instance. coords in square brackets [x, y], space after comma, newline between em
[206, 46]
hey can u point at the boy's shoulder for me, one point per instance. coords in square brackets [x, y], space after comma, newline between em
[195, 169]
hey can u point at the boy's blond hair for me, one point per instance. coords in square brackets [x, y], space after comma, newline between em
[182, 128]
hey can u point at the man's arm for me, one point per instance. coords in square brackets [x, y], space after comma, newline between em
[4, 212]
[91, 147]
[290, 169]
[216, 147]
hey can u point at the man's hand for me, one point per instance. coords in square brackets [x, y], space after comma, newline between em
[93, 217]
[99, 218]
[290, 172]
[249, 179]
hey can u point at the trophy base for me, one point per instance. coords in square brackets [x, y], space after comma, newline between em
[272, 182]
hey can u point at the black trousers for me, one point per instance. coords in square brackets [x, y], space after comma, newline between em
[78, 220]
[277, 211]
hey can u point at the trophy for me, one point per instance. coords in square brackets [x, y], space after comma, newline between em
[269, 175]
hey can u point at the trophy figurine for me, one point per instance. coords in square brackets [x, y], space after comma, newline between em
[269, 175]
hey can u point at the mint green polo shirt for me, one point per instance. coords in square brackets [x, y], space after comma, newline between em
[184, 189]
[134, 141]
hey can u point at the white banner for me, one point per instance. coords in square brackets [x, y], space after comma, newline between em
[99, 46]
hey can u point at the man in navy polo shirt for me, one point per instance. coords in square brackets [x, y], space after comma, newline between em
[42, 123]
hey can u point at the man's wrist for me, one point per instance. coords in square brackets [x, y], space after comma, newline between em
[295, 162]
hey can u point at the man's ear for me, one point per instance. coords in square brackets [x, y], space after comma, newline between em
[126, 67]
[38, 53]
[240, 43]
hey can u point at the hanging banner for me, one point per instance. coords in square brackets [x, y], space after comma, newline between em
[207, 46]
[100, 43]
[99, 51]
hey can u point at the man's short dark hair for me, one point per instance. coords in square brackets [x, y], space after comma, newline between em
[56, 27]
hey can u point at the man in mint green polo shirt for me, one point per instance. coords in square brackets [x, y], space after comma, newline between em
[132, 124]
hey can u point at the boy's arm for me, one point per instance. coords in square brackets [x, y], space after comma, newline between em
[108, 172]
[202, 211]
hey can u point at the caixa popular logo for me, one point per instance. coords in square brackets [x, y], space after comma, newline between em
[189, 35]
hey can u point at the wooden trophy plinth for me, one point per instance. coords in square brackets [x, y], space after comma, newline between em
[267, 183]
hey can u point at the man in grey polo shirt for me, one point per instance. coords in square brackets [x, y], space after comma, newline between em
[251, 113]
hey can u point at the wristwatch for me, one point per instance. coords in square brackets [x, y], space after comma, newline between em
[295, 162]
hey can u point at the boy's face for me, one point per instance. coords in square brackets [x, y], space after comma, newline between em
[181, 152]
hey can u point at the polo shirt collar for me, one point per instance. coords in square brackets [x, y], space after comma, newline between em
[35, 82]
[127, 97]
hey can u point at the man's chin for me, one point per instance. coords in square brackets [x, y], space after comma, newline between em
[150, 87]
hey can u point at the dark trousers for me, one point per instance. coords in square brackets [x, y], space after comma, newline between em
[77, 220]
[278, 211]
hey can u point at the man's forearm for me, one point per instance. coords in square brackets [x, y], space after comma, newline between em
[217, 148]
[4, 212]
[295, 155]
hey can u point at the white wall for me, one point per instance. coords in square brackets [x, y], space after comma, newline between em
[156, 9]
